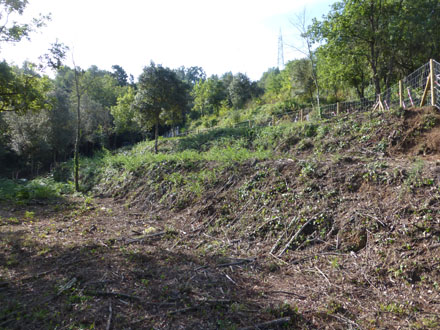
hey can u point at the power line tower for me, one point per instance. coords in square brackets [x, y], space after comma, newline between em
[280, 52]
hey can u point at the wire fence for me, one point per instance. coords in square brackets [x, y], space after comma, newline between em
[437, 84]
[412, 91]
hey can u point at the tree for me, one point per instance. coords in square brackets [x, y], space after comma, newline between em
[124, 115]
[20, 90]
[271, 83]
[340, 75]
[391, 38]
[160, 99]
[120, 75]
[191, 75]
[208, 95]
[10, 29]
[240, 90]
[61, 125]
[297, 80]
[300, 24]
[29, 137]
[82, 82]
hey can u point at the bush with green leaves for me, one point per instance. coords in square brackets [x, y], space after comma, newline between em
[23, 191]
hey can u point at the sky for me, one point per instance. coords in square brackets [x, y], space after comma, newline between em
[219, 36]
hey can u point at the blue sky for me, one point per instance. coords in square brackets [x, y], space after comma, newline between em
[220, 36]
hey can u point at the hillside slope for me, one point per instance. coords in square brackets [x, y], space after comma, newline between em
[332, 224]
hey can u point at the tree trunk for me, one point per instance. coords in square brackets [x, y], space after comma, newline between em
[156, 136]
[78, 127]
[76, 155]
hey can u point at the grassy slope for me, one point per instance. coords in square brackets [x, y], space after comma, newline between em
[331, 223]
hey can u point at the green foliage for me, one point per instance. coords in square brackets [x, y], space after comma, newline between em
[362, 38]
[161, 98]
[124, 114]
[22, 191]
[120, 75]
[208, 96]
[271, 83]
[240, 90]
[297, 81]
[11, 30]
[22, 90]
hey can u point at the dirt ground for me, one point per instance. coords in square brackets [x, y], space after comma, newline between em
[348, 241]
[74, 264]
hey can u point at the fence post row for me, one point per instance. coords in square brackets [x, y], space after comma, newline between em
[432, 77]
[432, 85]
[429, 85]
[401, 93]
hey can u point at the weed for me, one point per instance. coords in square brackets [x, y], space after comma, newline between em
[335, 263]
[29, 215]
[22, 191]
[394, 307]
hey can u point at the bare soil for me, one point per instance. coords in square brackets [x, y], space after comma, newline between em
[336, 241]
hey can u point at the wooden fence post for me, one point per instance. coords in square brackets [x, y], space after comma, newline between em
[429, 85]
[301, 115]
[400, 94]
[380, 103]
[338, 108]
[432, 76]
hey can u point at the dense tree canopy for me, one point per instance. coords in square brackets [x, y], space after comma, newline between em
[390, 38]
[10, 29]
[20, 89]
[361, 47]
[160, 99]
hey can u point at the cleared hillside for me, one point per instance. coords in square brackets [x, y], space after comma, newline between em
[331, 224]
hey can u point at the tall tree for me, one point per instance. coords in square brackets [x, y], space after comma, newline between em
[160, 99]
[297, 80]
[10, 29]
[191, 75]
[29, 138]
[240, 90]
[392, 37]
[307, 48]
[120, 75]
[208, 95]
[124, 115]
[82, 82]
[20, 90]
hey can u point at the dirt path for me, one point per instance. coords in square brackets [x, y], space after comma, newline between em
[95, 263]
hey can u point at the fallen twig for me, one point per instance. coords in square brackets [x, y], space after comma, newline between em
[278, 242]
[294, 237]
[144, 238]
[346, 320]
[288, 293]
[268, 325]
[279, 259]
[109, 321]
[113, 294]
[186, 309]
[236, 263]
[325, 276]
[230, 279]
[55, 269]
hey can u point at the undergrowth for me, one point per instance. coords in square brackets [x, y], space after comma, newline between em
[23, 191]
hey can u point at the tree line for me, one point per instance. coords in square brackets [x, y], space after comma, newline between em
[360, 47]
